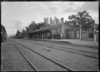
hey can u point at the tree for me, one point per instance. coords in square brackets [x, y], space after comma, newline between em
[42, 25]
[24, 33]
[51, 21]
[26, 29]
[32, 27]
[82, 18]
[46, 20]
[56, 21]
[18, 34]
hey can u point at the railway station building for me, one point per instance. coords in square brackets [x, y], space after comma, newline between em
[64, 31]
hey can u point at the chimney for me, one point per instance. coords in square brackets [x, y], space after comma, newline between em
[62, 20]
[62, 28]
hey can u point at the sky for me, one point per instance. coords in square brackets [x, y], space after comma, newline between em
[17, 15]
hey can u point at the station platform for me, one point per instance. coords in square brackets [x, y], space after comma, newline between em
[74, 42]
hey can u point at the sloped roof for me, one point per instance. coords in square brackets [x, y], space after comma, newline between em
[2, 27]
[54, 26]
[47, 28]
[72, 27]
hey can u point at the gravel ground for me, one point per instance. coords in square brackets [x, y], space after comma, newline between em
[71, 49]
[68, 46]
[69, 42]
[39, 62]
[12, 60]
[74, 61]
[67, 49]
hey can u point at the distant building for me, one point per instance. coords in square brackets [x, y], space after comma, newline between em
[3, 34]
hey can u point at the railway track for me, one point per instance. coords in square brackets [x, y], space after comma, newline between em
[64, 43]
[68, 48]
[26, 58]
[83, 52]
[53, 61]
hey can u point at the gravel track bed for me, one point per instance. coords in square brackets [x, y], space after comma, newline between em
[12, 60]
[67, 46]
[64, 43]
[39, 62]
[84, 53]
[74, 61]
[71, 50]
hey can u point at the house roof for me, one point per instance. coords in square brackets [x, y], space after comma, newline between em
[53, 26]
[47, 28]
[3, 27]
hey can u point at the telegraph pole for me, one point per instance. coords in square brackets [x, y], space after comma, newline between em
[80, 32]
[62, 27]
[94, 31]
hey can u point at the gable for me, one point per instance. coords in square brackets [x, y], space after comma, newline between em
[67, 27]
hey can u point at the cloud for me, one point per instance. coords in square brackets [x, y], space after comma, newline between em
[13, 26]
[95, 15]
[54, 7]
[18, 25]
[76, 5]
[22, 13]
[61, 6]
[73, 7]
[94, 6]
[10, 29]
[45, 9]
[59, 9]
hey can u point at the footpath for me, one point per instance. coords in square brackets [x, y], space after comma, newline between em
[74, 42]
